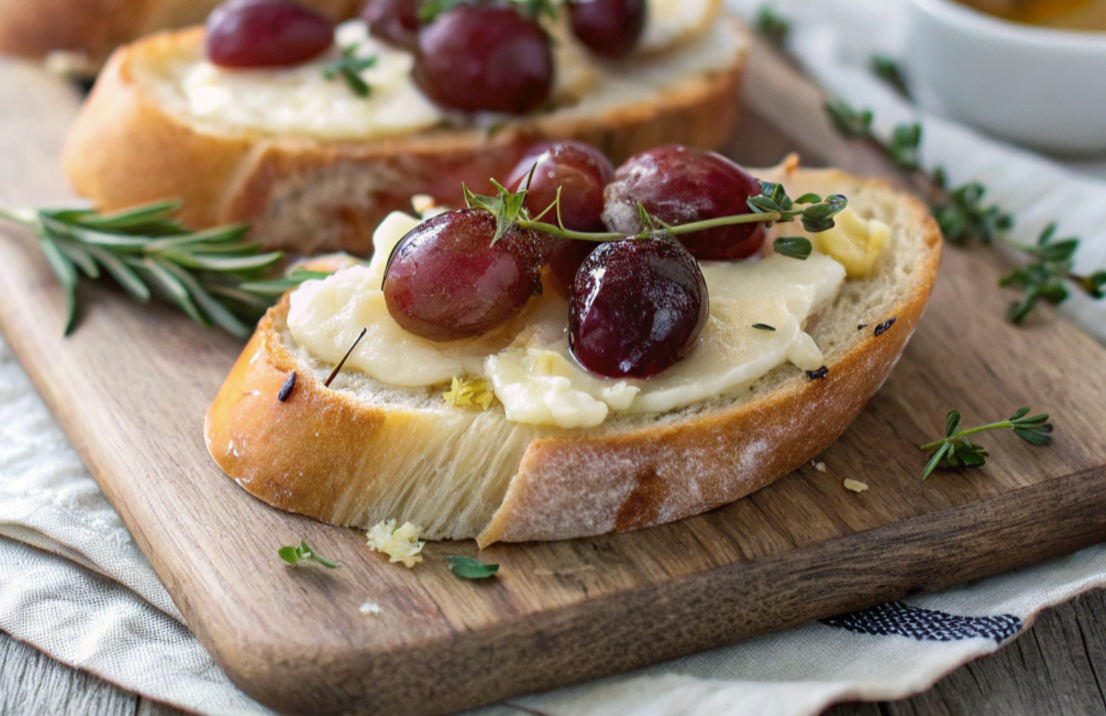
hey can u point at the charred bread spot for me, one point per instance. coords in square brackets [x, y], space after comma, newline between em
[286, 389]
[819, 374]
[862, 326]
[884, 327]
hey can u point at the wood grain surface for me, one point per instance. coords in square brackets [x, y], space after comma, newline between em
[131, 385]
[1058, 666]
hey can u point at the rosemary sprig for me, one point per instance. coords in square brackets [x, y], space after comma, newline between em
[771, 25]
[772, 205]
[349, 67]
[963, 218]
[302, 552]
[213, 276]
[954, 451]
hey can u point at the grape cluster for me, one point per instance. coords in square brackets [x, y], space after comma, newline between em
[470, 55]
[636, 304]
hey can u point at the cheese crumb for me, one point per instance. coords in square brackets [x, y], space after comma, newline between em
[469, 392]
[819, 466]
[855, 486]
[400, 544]
[370, 608]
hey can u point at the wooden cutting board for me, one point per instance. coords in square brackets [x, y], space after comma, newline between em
[130, 388]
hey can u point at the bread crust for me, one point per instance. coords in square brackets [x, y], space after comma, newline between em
[94, 28]
[125, 150]
[571, 483]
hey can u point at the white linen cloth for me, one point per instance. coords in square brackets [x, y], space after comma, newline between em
[73, 583]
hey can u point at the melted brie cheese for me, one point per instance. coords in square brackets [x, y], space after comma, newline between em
[301, 101]
[528, 361]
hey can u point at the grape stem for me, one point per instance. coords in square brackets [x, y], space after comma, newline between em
[600, 237]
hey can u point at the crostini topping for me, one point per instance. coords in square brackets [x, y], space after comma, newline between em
[266, 33]
[484, 58]
[637, 307]
[527, 361]
[469, 392]
[677, 185]
[609, 28]
[450, 278]
[394, 21]
[855, 242]
[401, 544]
[299, 100]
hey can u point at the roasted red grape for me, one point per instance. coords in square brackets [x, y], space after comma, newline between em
[637, 307]
[394, 21]
[484, 58]
[609, 28]
[266, 33]
[446, 281]
[581, 172]
[679, 186]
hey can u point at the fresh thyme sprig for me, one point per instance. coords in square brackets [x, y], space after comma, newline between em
[963, 218]
[887, 68]
[302, 552]
[213, 276]
[771, 206]
[956, 452]
[771, 25]
[349, 67]
[1048, 276]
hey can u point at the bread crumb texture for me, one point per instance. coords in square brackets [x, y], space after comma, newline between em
[401, 544]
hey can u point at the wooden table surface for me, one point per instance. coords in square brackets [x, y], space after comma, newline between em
[1056, 667]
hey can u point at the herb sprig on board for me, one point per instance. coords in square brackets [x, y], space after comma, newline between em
[303, 552]
[955, 451]
[771, 25]
[469, 568]
[214, 276]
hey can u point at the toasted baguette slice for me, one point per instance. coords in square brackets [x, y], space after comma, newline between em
[92, 29]
[362, 451]
[129, 146]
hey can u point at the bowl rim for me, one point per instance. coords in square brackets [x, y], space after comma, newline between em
[970, 19]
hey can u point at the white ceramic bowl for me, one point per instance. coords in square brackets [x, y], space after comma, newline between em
[1037, 86]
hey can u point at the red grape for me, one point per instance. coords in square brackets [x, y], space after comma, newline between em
[447, 281]
[394, 21]
[637, 307]
[266, 33]
[679, 186]
[581, 172]
[610, 28]
[484, 58]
